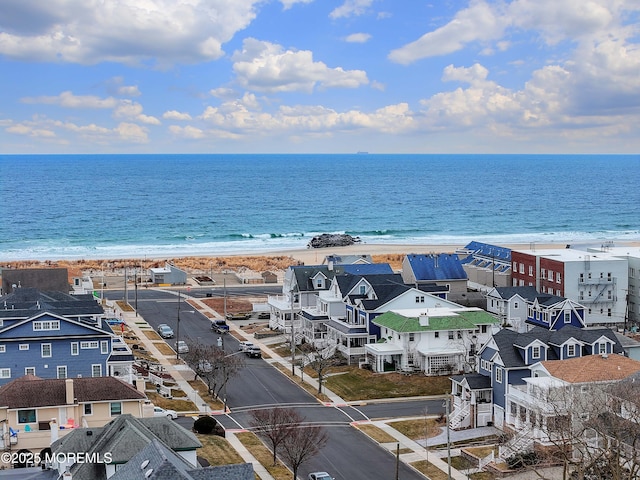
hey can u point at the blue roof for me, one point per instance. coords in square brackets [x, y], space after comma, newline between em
[490, 251]
[443, 266]
[366, 268]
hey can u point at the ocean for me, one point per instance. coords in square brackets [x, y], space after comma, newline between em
[118, 206]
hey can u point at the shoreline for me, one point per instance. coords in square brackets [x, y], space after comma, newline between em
[279, 259]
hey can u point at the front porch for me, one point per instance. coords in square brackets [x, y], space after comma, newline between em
[350, 339]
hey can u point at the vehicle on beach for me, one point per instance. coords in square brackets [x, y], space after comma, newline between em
[165, 331]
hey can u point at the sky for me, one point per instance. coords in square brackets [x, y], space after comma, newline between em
[319, 76]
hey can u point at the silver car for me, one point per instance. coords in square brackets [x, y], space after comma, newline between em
[165, 331]
[320, 476]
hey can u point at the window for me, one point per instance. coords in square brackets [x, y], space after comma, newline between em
[522, 268]
[515, 266]
[88, 409]
[45, 350]
[40, 325]
[5, 373]
[558, 277]
[436, 334]
[3, 348]
[412, 337]
[550, 276]
[24, 346]
[609, 295]
[74, 348]
[609, 276]
[86, 345]
[531, 270]
[96, 370]
[499, 375]
[104, 347]
[582, 278]
[483, 328]
[27, 416]
[602, 348]
[30, 370]
[515, 304]
[363, 289]
[450, 334]
[608, 312]
[567, 317]
[319, 283]
[116, 408]
[543, 273]
[61, 371]
[459, 335]
[571, 350]
[535, 352]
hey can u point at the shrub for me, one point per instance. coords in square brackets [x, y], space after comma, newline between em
[206, 425]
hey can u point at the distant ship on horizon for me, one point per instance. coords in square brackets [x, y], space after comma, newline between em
[361, 152]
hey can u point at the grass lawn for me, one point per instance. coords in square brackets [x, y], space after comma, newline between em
[375, 433]
[360, 384]
[201, 388]
[151, 335]
[418, 429]
[264, 456]
[217, 450]
[171, 403]
[164, 349]
[428, 469]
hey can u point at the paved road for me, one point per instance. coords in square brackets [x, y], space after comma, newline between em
[348, 455]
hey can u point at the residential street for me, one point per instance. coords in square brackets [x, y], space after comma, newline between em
[349, 454]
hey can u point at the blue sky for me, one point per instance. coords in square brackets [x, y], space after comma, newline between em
[319, 76]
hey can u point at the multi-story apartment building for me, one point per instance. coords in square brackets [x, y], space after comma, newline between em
[597, 280]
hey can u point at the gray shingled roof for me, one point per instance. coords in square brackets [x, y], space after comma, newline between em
[27, 302]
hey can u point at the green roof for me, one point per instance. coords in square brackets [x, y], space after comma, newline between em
[464, 320]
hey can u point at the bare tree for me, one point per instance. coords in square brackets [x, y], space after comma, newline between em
[320, 360]
[274, 425]
[212, 365]
[301, 444]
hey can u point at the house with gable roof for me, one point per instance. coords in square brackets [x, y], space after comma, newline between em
[522, 308]
[57, 335]
[438, 338]
[122, 438]
[505, 361]
[34, 411]
[557, 397]
[443, 269]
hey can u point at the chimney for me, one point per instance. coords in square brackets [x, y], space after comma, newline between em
[68, 384]
[423, 320]
[55, 431]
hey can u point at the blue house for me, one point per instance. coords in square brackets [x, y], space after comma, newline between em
[505, 361]
[56, 335]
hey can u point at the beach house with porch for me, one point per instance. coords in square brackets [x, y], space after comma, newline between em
[437, 338]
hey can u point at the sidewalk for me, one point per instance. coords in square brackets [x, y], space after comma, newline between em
[418, 451]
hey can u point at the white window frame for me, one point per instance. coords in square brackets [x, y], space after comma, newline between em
[5, 373]
[87, 411]
[42, 348]
[571, 350]
[75, 348]
[3, 348]
[59, 368]
[41, 325]
[93, 369]
[535, 352]
[111, 409]
[23, 347]
[29, 370]
[104, 347]
[567, 317]
[499, 374]
[558, 277]
[86, 345]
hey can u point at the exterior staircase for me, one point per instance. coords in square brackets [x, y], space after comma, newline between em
[520, 443]
[459, 415]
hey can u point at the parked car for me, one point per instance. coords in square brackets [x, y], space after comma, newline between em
[253, 351]
[165, 331]
[245, 345]
[264, 316]
[161, 412]
[182, 347]
[320, 476]
[219, 326]
[238, 316]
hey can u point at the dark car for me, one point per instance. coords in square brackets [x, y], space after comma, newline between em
[219, 326]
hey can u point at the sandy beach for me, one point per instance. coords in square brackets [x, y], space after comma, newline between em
[274, 260]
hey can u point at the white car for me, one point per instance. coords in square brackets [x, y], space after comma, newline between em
[244, 346]
[161, 412]
[182, 347]
[320, 476]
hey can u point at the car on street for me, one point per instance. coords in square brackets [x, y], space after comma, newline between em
[165, 331]
[320, 476]
[253, 351]
[219, 326]
[161, 412]
[182, 347]
[264, 316]
[243, 346]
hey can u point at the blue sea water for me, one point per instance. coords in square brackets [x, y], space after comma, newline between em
[115, 206]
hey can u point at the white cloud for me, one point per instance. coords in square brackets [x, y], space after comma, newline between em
[187, 132]
[267, 67]
[351, 8]
[358, 38]
[69, 100]
[479, 22]
[175, 115]
[127, 31]
[133, 111]
[132, 133]
[287, 4]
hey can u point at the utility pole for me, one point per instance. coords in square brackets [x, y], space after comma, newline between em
[448, 439]
[178, 330]
[293, 339]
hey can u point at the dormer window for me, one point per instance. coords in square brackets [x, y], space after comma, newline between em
[535, 352]
[567, 317]
[571, 350]
[363, 289]
[319, 283]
